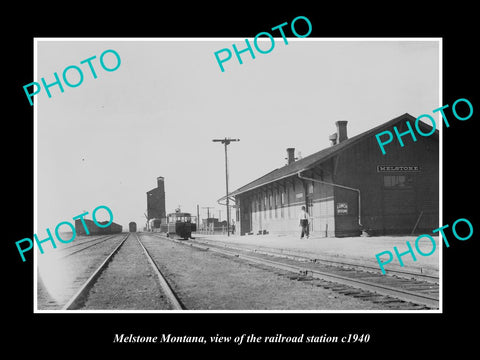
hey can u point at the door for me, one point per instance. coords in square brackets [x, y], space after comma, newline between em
[245, 218]
[309, 202]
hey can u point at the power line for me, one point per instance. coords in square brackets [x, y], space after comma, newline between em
[208, 210]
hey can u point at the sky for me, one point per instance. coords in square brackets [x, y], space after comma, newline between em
[106, 141]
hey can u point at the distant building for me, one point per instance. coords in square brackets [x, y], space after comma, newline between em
[213, 223]
[156, 201]
[93, 229]
[349, 187]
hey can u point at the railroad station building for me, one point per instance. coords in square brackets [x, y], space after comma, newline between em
[349, 188]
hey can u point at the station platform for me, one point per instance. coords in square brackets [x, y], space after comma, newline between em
[351, 250]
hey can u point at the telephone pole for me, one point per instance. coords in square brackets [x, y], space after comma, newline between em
[226, 142]
[208, 214]
[198, 217]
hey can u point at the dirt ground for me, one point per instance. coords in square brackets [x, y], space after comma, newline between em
[128, 283]
[202, 280]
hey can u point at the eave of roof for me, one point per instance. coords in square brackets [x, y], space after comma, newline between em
[323, 155]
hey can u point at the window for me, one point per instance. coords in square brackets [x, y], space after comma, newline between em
[276, 204]
[310, 188]
[398, 181]
[270, 201]
[282, 198]
[265, 208]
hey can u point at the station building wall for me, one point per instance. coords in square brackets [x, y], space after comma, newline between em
[392, 202]
[275, 208]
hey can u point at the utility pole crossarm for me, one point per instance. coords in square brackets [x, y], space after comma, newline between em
[225, 141]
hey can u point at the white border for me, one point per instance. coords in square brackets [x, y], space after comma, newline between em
[35, 168]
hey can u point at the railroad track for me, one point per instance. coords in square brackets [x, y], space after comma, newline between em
[79, 247]
[91, 288]
[307, 259]
[392, 291]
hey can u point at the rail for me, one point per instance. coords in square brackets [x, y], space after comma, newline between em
[78, 299]
[393, 288]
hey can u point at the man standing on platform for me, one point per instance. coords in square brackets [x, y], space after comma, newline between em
[303, 217]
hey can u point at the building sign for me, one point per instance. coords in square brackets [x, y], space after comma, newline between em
[397, 168]
[299, 195]
[342, 208]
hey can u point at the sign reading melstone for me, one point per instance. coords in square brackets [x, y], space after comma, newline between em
[393, 168]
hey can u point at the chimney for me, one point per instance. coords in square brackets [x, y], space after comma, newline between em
[291, 155]
[333, 139]
[341, 130]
